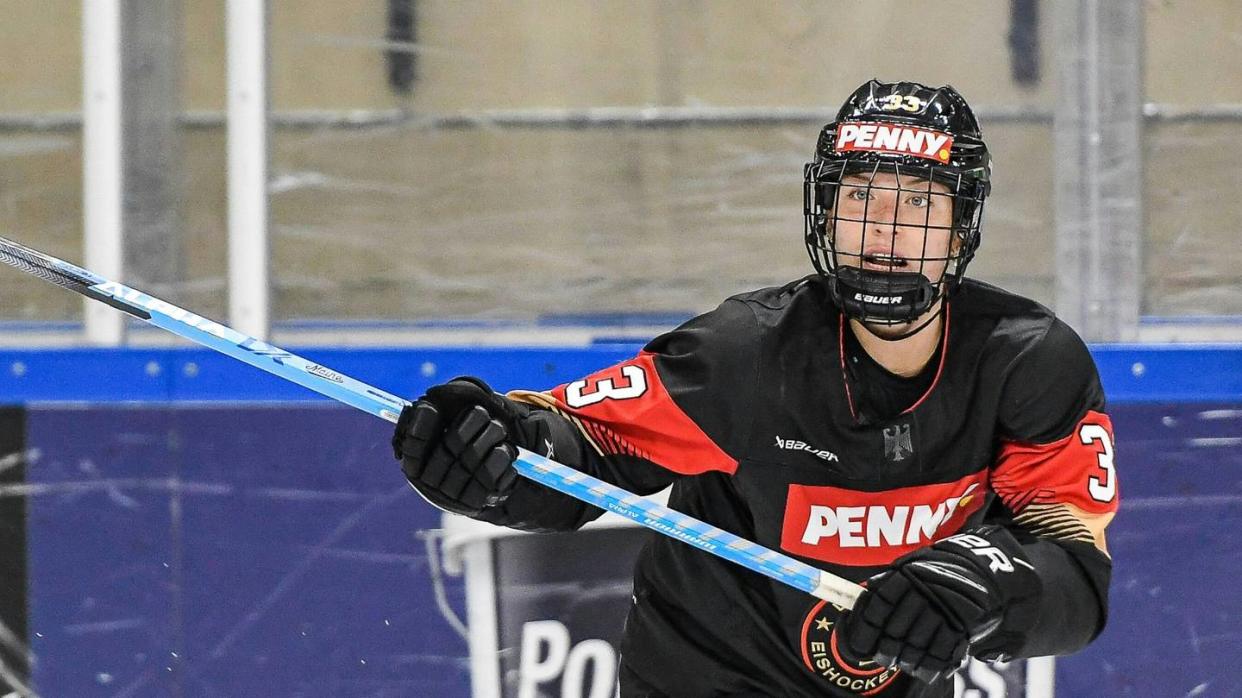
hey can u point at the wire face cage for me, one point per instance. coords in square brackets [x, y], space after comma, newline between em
[891, 239]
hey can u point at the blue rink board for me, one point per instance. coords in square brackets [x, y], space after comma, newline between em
[184, 547]
[1130, 373]
[230, 551]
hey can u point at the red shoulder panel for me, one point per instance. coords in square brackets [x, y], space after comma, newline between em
[1076, 470]
[626, 409]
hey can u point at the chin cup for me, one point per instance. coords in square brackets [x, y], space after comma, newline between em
[884, 298]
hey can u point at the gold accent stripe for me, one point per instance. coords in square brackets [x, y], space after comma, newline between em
[1053, 521]
[547, 402]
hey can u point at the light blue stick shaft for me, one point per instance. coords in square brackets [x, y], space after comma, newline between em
[344, 389]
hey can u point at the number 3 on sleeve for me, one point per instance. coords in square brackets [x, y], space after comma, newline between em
[1102, 488]
[589, 391]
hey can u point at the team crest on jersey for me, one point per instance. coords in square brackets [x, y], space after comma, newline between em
[820, 655]
[898, 445]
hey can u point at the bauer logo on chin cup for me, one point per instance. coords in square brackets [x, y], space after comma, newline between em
[879, 300]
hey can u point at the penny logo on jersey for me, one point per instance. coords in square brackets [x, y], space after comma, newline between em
[820, 655]
[894, 140]
[850, 527]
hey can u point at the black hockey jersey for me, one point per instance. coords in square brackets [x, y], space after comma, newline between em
[753, 415]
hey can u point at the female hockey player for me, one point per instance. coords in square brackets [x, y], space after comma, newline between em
[887, 419]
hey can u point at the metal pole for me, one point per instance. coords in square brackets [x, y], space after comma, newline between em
[151, 213]
[1097, 127]
[102, 163]
[247, 168]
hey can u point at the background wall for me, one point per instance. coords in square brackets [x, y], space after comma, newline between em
[407, 219]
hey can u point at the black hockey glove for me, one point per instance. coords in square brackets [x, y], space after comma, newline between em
[925, 612]
[456, 445]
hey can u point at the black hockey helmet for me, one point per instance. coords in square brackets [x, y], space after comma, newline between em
[920, 135]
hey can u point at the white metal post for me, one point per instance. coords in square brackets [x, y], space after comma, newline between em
[247, 168]
[1098, 167]
[102, 173]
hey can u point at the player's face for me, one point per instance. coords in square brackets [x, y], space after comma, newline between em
[890, 223]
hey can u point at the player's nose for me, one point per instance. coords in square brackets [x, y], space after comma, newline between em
[883, 222]
[883, 211]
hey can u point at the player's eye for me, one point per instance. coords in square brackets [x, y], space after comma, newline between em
[919, 200]
[858, 194]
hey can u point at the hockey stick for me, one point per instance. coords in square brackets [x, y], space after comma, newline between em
[344, 389]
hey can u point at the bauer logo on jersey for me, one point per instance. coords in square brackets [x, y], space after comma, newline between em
[896, 140]
[796, 445]
[852, 527]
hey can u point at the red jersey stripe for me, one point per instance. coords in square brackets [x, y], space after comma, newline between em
[1077, 469]
[627, 409]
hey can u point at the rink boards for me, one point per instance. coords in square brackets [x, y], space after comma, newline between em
[191, 526]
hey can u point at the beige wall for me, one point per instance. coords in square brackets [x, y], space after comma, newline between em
[634, 52]
[562, 53]
[1194, 51]
[40, 55]
[325, 54]
[380, 222]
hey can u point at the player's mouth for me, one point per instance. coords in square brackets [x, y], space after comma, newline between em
[883, 261]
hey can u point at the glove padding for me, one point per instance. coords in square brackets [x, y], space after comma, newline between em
[456, 445]
[926, 612]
